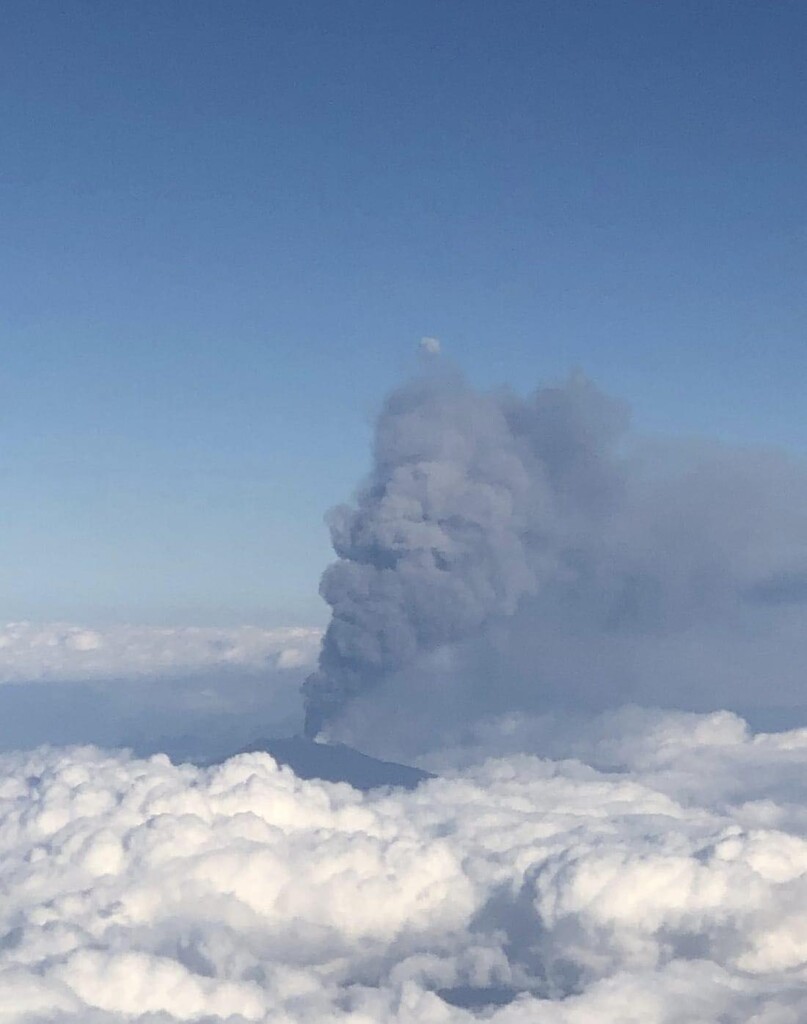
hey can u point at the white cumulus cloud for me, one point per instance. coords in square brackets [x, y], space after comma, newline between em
[670, 891]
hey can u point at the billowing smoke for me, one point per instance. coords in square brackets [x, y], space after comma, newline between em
[541, 533]
[475, 501]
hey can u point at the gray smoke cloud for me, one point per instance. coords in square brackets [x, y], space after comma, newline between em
[550, 554]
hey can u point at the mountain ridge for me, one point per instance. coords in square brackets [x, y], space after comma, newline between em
[337, 762]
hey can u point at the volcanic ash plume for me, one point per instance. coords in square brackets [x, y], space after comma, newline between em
[474, 501]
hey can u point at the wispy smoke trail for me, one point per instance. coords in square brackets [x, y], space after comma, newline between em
[474, 501]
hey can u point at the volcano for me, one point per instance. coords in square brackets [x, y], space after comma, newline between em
[336, 762]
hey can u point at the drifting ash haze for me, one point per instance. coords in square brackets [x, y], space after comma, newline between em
[522, 890]
[512, 553]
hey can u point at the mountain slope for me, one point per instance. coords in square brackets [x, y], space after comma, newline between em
[335, 762]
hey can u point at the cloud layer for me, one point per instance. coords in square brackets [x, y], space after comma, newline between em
[669, 892]
[65, 651]
[191, 692]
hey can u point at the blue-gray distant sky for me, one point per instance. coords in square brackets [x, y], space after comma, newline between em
[225, 226]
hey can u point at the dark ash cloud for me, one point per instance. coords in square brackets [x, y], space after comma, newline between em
[510, 552]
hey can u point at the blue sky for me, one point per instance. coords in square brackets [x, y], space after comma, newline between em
[226, 226]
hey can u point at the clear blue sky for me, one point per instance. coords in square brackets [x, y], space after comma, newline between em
[224, 226]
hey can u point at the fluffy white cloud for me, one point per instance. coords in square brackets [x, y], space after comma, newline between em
[53, 651]
[672, 891]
